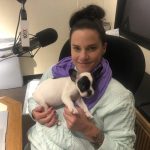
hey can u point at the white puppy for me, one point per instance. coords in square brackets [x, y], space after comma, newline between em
[67, 90]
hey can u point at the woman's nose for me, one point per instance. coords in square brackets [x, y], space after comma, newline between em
[84, 55]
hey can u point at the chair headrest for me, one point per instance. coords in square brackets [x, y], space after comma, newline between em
[125, 58]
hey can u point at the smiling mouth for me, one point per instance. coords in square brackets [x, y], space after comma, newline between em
[84, 63]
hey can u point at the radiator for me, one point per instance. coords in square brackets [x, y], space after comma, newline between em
[142, 134]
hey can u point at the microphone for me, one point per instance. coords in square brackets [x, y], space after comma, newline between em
[41, 39]
[24, 29]
[21, 1]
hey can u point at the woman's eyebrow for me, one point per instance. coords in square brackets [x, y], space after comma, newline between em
[92, 45]
[75, 45]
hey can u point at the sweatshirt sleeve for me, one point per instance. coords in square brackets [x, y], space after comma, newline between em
[31, 102]
[118, 125]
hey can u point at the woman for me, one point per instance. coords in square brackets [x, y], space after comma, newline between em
[112, 104]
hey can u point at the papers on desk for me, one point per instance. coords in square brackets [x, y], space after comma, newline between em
[3, 125]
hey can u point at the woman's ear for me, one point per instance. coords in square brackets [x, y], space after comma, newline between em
[104, 47]
[73, 74]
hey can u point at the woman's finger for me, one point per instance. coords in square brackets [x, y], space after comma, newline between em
[41, 114]
[48, 118]
[52, 122]
[39, 109]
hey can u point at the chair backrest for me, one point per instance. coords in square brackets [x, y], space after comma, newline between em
[125, 58]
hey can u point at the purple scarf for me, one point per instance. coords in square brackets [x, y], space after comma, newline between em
[61, 69]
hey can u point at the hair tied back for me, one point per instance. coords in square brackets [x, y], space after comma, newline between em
[91, 12]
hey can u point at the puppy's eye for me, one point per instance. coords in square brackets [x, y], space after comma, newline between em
[94, 85]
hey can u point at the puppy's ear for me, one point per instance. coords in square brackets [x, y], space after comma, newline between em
[96, 74]
[73, 74]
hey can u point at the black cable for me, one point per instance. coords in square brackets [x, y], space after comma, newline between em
[17, 29]
[7, 58]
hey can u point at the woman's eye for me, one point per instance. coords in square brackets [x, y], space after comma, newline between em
[91, 48]
[76, 48]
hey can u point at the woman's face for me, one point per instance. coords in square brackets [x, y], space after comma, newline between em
[86, 49]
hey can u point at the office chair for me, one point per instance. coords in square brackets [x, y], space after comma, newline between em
[126, 61]
[125, 58]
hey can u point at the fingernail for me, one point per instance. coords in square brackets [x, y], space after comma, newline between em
[50, 109]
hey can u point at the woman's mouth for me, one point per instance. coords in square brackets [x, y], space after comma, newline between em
[84, 63]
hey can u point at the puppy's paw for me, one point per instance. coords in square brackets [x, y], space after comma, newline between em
[88, 114]
[58, 123]
[73, 110]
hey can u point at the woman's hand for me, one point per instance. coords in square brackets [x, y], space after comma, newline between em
[80, 122]
[77, 122]
[45, 117]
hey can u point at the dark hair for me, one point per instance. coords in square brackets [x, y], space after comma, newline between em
[89, 17]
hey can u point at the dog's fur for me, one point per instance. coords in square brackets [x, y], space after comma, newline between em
[55, 92]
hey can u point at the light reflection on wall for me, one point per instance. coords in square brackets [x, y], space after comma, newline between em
[4, 34]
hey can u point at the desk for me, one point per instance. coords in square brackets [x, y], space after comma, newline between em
[14, 128]
[142, 132]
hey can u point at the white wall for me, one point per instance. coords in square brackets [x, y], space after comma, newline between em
[41, 14]
[54, 14]
[110, 9]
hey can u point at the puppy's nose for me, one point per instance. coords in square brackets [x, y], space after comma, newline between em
[89, 93]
